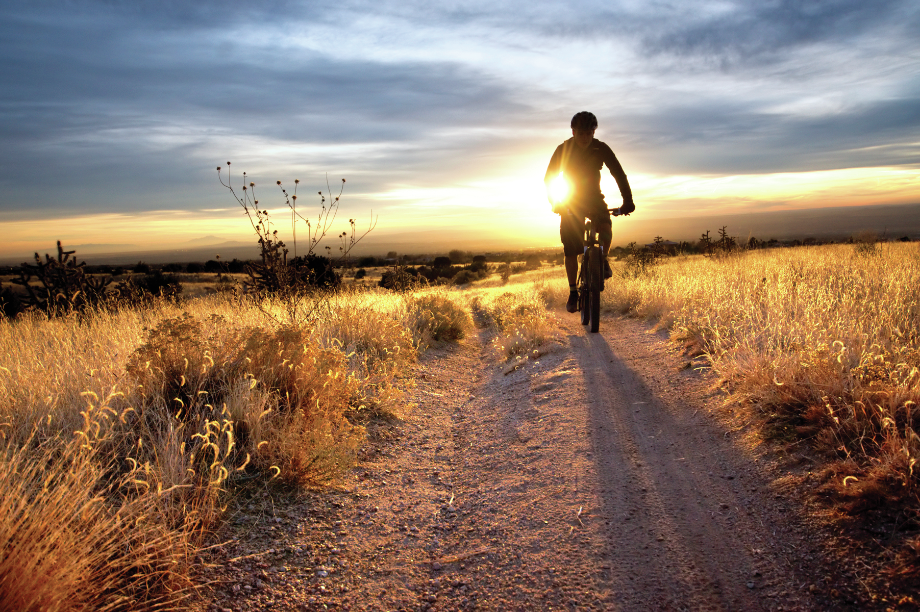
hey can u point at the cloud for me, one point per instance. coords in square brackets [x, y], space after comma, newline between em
[759, 32]
[109, 106]
[728, 138]
[113, 110]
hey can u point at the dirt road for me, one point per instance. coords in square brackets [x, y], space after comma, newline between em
[595, 477]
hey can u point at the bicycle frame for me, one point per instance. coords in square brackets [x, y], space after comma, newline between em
[591, 276]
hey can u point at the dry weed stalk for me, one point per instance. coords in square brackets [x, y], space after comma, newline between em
[294, 282]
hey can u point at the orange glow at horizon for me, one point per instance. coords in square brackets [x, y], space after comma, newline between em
[516, 201]
[779, 191]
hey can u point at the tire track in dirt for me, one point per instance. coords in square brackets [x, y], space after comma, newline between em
[685, 530]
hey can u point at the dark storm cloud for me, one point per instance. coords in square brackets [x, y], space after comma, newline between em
[74, 79]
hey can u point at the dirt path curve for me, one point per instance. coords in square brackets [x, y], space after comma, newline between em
[592, 478]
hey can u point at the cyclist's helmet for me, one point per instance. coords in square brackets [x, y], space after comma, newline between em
[584, 121]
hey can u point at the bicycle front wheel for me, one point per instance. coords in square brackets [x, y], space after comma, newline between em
[583, 285]
[595, 278]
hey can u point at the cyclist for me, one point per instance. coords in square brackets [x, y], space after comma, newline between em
[579, 161]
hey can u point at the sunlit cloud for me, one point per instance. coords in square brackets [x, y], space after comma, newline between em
[670, 196]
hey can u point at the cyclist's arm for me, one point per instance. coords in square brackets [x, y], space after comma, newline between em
[616, 170]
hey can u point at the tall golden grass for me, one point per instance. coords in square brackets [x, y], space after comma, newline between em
[123, 433]
[824, 340]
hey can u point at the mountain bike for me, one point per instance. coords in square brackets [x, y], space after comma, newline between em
[591, 276]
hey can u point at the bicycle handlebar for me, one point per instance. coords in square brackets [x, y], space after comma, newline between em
[612, 211]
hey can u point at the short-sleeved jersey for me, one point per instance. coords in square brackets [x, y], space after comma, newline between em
[583, 167]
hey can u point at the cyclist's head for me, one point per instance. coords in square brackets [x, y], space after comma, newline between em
[584, 121]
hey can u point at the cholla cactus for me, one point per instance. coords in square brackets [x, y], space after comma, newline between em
[64, 285]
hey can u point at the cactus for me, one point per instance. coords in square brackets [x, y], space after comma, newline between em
[64, 285]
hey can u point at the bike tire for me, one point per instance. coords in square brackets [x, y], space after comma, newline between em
[595, 278]
[583, 289]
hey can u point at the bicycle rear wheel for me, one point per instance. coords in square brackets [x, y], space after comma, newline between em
[595, 278]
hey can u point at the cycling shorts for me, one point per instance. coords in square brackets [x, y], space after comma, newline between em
[572, 227]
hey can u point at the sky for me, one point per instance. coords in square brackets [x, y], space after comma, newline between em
[442, 116]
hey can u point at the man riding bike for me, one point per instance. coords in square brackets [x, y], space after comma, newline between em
[578, 162]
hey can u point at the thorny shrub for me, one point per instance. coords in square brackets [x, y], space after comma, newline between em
[639, 261]
[403, 279]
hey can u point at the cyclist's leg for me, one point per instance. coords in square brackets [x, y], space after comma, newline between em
[571, 269]
[602, 222]
[571, 230]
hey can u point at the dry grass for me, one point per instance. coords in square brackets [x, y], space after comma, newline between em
[435, 316]
[824, 341]
[122, 433]
[518, 312]
[75, 537]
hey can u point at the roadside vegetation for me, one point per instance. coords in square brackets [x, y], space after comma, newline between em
[518, 314]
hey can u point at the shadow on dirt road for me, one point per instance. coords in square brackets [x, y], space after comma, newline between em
[680, 500]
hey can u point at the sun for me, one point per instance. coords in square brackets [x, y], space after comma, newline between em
[559, 189]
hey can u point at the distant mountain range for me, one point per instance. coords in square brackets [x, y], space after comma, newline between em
[887, 221]
[206, 240]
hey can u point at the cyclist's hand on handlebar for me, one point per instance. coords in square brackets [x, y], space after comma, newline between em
[627, 208]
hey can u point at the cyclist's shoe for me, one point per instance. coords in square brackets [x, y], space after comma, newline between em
[572, 304]
[607, 271]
